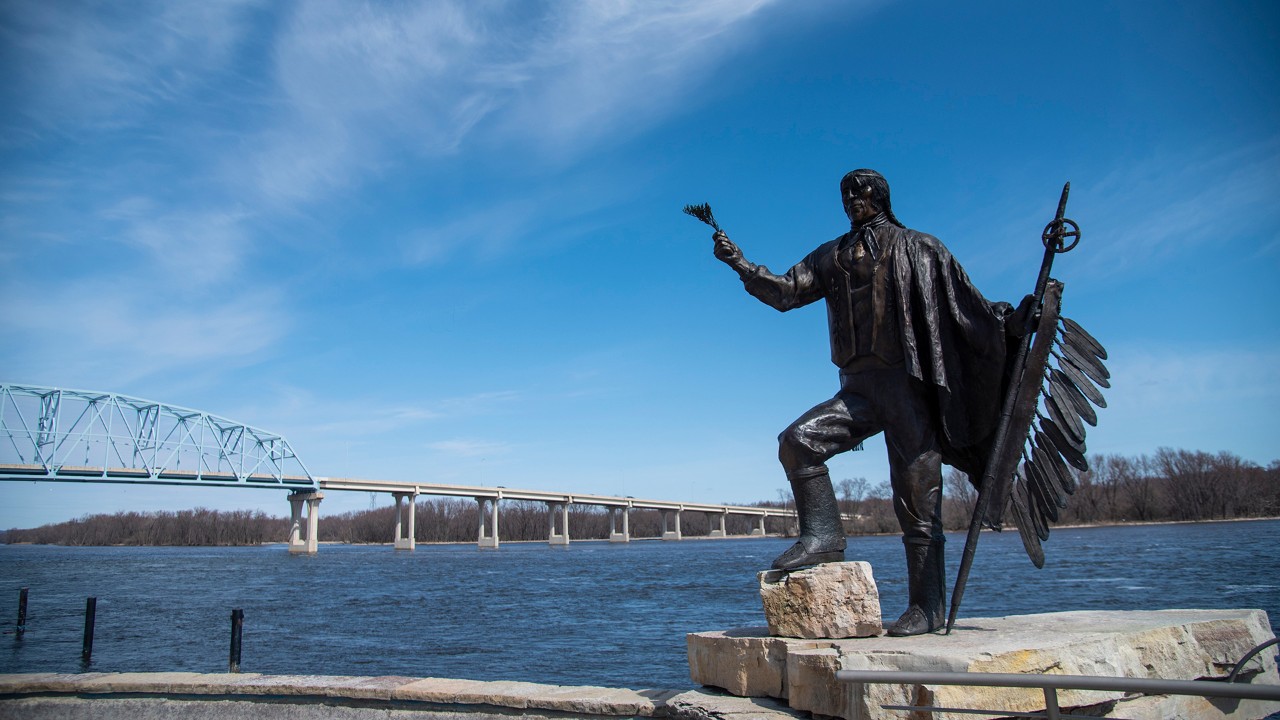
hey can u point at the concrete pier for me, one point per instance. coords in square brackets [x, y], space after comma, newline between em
[558, 532]
[304, 530]
[616, 535]
[405, 517]
[671, 524]
[715, 520]
[488, 522]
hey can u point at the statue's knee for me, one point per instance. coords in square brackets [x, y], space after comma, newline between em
[794, 452]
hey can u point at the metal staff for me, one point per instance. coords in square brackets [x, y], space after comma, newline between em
[1010, 431]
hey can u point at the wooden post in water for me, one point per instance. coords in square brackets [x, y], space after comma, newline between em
[90, 617]
[237, 627]
[22, 613]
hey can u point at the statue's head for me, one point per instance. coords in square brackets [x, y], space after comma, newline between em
[865, 194]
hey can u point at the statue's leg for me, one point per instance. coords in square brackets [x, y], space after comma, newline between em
[915, 473]
[803, 449]
[821, 531]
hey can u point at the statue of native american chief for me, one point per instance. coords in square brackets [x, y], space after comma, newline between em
[947, 376]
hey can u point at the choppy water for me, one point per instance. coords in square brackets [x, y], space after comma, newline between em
[589, 614]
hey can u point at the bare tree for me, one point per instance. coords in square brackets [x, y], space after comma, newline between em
[959, 499]
[852, 491]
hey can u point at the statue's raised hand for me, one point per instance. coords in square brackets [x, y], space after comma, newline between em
[726, 251]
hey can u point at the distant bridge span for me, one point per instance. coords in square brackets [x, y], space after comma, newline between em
[60, 435]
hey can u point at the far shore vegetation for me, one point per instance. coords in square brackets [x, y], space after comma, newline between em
[1169, 486]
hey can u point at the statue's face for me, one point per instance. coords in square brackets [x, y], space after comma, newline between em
[858, 204]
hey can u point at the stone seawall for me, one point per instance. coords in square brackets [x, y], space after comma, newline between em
[199, 696]
[758, 676]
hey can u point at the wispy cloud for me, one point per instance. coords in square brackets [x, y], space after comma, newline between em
[551, 80]
[83, 66]
[107, 334]
[359, 416]
[469, 448]
[1157, 210]
[305, 101]
[1178, 397]
[609, 68]
[187, 249]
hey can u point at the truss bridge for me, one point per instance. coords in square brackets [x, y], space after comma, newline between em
[60, 435]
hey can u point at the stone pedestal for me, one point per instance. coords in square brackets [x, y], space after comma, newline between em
[1166, 644]
[831, 600]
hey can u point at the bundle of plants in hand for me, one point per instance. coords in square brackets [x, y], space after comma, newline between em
[703, 213]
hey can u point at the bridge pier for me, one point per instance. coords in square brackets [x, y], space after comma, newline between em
[614, 534]
[671, 524]
[758, 531]
[720, 531]
[488, 522]
[562, 510]
[304, 539]
[405, 518]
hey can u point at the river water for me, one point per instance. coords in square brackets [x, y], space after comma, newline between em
[588, 614]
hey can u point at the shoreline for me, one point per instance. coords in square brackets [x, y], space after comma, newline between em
[1144, 523]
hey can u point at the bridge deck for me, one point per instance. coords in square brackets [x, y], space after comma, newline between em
[502, 493]
[87, 473]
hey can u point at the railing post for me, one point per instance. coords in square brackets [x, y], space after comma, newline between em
[90, 620]
[237, 627]
[1051, 704]
[21, 627]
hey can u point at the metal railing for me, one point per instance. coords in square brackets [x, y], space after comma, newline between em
[1051, 684]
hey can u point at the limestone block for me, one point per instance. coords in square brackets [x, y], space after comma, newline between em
[335, 686]
[810, 673]
[710, 705]
[1168, 644]
[1163, 707]
[832, 600]
[143, 682]
[745, 662]
[534, 696]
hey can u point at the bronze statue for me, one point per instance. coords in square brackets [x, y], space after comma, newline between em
[922, 357]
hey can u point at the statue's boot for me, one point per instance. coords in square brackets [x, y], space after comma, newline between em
[926, 588]
[821, 531]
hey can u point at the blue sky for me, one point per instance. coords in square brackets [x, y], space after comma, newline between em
[443, 240]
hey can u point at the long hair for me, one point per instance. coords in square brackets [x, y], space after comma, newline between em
[879, 190]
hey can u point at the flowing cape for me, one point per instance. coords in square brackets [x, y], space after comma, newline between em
[953, 340]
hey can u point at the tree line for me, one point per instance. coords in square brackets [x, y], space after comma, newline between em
[435, 520]
[1168, 486]
[1171, 485]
